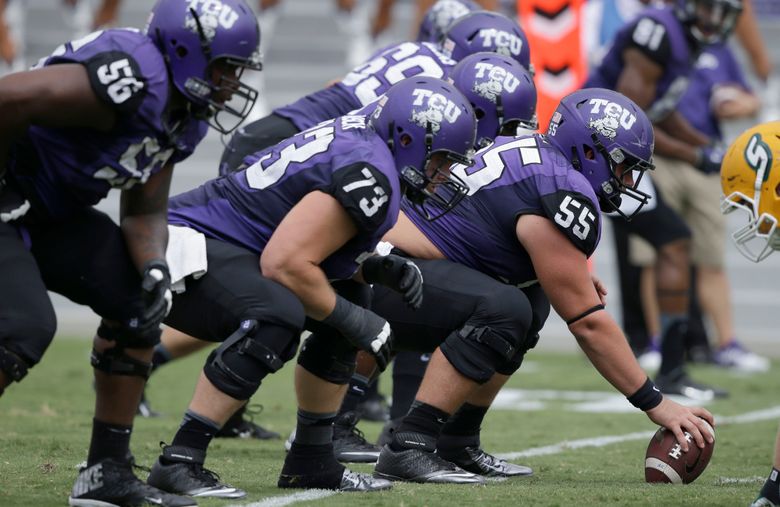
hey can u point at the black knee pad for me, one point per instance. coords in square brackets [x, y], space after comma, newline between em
[513, 364]
[128, 337]
[114, 361]
[13, 365]
[254, 350]
[328, 356]
[494, 334]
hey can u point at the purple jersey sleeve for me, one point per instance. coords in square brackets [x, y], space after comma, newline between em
[366, 82]
[658, 34]
[716, 66]
[512, 177]
[341, 157]
[76, 167]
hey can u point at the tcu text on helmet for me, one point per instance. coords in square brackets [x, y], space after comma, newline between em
[438, 106]
[215, 10]
[505, 43]
[613, 110]
[497, 75]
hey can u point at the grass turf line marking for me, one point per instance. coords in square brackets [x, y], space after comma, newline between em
[281, 501]
[317, 494]
[758, 415]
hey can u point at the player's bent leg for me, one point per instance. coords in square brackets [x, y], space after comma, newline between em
[232, 374]
[27, 319]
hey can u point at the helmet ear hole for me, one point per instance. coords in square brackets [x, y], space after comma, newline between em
[181, 51]
[589, 152]
[479, 113]
[405, 140]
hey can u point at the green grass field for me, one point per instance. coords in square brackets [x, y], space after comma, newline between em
[45, 428]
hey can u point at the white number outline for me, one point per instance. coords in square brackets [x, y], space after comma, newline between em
[494, 163]
[364, 77]
[319, 138]
[565, 217]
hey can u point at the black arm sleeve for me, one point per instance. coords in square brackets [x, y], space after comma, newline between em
[576, 216]
[364, 192]
[117, 79]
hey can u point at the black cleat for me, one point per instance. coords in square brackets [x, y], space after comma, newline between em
[112, 483]
[145, 409]
[474, 459]
[242, 425]
[374, 408]
[415, 465]
[348, 481]
[349, 444]
[680, 383]
[183, 473]
[386, 435]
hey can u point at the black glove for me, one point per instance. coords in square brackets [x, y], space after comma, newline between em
[157, 296]
[364, 329]
[397, 273]
[709, 158]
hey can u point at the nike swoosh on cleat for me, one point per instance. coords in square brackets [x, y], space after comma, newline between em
[153, 500]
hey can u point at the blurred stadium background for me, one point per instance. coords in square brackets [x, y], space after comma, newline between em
[311, 45]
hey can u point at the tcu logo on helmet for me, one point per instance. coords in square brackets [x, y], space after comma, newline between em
[497, 80]
[212, 14]
[505, 43]
[439, 109]
[614, 116]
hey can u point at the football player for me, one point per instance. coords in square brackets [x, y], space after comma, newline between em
[750, 179]
[503, 96]
[650, 61]
[358, 88]
[479, 31]
[531, 220]
[303, 212]
[115, 109]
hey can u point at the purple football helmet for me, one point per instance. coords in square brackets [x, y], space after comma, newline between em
[501, 92]
[193, 35]
[440, 15]
[486, 31]
[600, 130]
[427, 124]
[709, 21]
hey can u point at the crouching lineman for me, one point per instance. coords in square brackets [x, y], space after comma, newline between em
[750, 178]
[531, 219]
[115, 109]
[304, 212]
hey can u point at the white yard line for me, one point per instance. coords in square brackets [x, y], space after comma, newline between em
[281, 501]
[748, 417]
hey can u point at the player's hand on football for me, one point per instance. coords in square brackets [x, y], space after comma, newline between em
[397, 273]
[678, 419]
[156, 286]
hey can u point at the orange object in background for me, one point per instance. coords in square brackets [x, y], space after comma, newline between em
[553, 29]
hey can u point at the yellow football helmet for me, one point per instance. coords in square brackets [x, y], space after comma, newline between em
[750, 178]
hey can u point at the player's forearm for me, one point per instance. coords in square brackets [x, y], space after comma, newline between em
[677, 127]
[146, 237]
[307, 281]
[669, 146]
[607, 349]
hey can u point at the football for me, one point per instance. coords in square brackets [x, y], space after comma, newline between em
[665, 461]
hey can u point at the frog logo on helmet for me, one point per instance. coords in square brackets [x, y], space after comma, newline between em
[213, 14]
[615, 116]
[438, 110]
[497, 80]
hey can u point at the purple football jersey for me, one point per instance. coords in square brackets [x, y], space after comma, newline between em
[367, 82]
[78, 166]
[715, 66]
[512, 177]
[660, 36]
[341, 157]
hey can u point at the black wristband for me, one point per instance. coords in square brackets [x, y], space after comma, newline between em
[646, 397]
